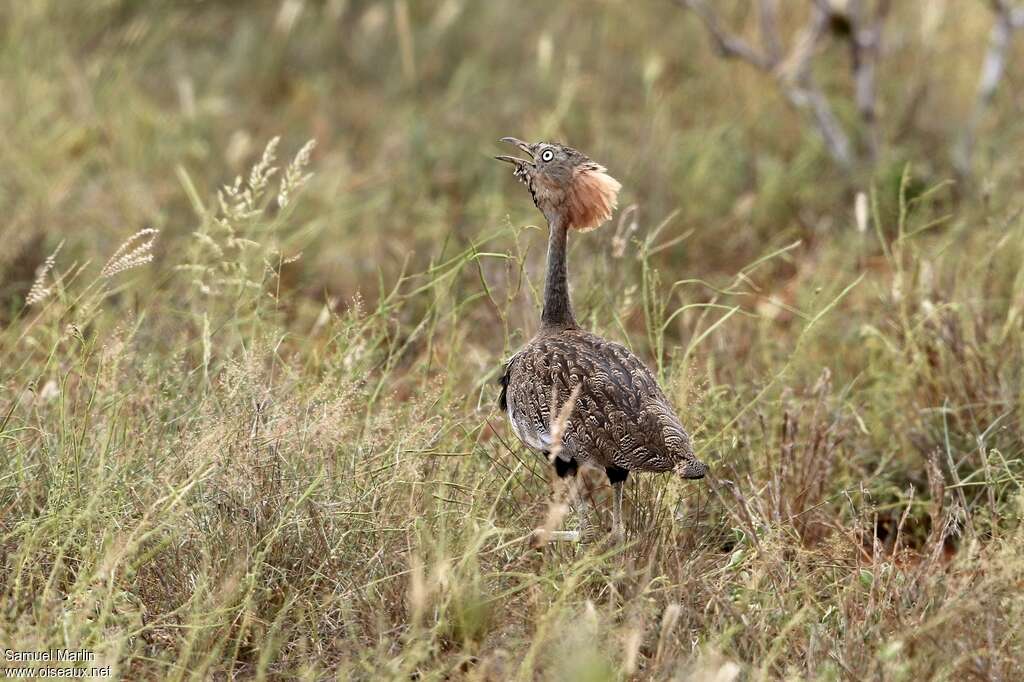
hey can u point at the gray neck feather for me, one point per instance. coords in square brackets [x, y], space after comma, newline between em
[557, 306]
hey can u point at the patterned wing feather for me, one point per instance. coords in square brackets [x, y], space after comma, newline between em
[621, 416]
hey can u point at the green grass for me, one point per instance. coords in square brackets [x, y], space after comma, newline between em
[274, 451]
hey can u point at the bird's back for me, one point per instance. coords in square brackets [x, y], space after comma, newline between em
[621, 417]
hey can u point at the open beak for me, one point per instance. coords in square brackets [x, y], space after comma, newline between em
[514, 159]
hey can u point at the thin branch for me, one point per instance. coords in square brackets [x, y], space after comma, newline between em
[811, 97]
[797, 65]
[726, 44]
[865, 49]
[1016, 14]
[793, 73]
[1009, 18]
[796, 78]
[824, 6]
[768, 18]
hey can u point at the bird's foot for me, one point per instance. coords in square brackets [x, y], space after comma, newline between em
[540, 537]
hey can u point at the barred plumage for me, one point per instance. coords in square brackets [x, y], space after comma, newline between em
[621, 417]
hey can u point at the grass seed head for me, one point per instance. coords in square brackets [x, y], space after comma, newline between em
[294, 176]
[137, 250]
[40, 291]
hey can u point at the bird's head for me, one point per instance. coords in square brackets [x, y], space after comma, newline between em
[691, 468]
[566, 186]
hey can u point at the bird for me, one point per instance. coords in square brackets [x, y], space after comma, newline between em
[613, 415]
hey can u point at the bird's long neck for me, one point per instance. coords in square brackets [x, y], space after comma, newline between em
[557, 306]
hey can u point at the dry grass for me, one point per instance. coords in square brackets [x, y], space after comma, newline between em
[222, 459]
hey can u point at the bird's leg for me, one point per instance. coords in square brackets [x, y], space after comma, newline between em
[586, 530]
[617, 477]
[585, 533]
[618, 531]
[567, 475]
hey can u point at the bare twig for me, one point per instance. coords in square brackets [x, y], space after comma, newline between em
[803, 92]
[793, 71]
[768, 17]
[727, 45]
[865, 48]
[1009, 18]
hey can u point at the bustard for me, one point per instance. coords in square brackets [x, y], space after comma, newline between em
[619, 419]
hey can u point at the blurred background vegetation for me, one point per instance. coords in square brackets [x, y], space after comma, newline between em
[273, 449]
[107, 99]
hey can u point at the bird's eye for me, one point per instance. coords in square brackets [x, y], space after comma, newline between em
[547, 155]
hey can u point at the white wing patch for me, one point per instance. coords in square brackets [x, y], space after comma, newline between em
[538, 440]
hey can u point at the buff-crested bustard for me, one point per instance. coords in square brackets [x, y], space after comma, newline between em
[619, 420]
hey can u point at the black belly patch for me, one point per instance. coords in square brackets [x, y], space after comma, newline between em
[616, 474]
[564, 468]
[503, 398]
